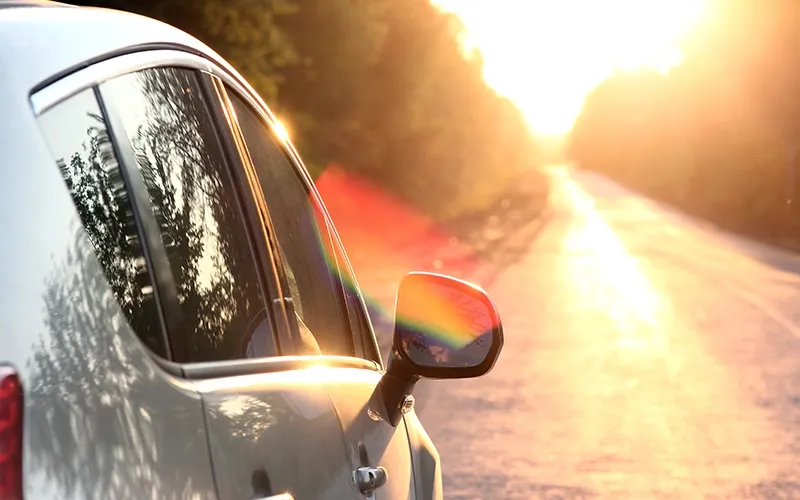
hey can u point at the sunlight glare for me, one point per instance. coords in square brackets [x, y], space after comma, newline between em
[281, 130]
[609, 279]
[547, 55]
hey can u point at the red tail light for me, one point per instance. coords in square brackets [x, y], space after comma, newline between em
[10, 435]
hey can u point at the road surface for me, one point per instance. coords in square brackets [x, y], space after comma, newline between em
[647, 355]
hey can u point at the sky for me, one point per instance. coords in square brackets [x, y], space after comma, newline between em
[547, 55]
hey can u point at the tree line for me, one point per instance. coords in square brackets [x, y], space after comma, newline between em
[380, 87]
[719, 134]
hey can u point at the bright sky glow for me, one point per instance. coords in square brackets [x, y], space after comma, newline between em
[547, 55]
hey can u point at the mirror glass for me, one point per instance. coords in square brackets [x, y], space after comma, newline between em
[442, 323]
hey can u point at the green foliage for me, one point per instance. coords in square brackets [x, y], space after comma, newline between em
[381, 87]
[245, 32]
[717, 136]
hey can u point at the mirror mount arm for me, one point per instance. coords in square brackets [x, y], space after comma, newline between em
[395, 386]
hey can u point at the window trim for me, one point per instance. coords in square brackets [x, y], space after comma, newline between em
[101, 72]
[219, 369]
[235, 368]
[91, 77]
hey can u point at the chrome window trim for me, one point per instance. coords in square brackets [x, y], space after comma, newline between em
[106, 70]
[102, 71]
[254, 366]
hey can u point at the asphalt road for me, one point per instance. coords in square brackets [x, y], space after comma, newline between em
[647, 355]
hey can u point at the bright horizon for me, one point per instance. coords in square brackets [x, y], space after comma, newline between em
[547, 55]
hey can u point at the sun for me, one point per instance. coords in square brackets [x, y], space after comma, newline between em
[547, 55]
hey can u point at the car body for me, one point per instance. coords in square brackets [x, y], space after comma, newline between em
[179, 317]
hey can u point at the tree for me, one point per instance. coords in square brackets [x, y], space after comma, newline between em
[245, 32]
[380, 87]
[717, 135]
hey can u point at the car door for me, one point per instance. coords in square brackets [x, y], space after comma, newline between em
[323, 297]
[270, 426]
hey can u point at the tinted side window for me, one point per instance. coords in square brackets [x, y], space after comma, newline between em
[222, 308]
[79, 140]
[302, 236]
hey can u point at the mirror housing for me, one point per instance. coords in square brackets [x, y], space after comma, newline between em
[445, 328]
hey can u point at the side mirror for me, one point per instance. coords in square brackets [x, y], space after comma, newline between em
[445, 328]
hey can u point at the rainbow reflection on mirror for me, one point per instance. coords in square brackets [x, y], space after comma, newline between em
[444, 323]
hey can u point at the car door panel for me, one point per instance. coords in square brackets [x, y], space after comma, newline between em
[275, 433]
[371, 441]
[425, 459]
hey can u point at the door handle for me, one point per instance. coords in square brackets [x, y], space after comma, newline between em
[368, 479]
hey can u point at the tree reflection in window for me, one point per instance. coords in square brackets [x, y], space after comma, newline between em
[179, 156]
[79, 140]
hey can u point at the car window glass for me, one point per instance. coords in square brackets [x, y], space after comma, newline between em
[302, 236]
[177, 150]
[77, 135]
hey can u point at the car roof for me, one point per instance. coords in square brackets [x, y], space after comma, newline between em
[7, 4]
[39, 45]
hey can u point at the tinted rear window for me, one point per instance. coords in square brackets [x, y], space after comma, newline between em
[79, 141]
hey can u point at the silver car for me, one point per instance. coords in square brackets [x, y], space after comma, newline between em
[178, 318]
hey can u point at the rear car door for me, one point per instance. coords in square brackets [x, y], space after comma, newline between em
[103, 420]
[322, 296]
[270, 427]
